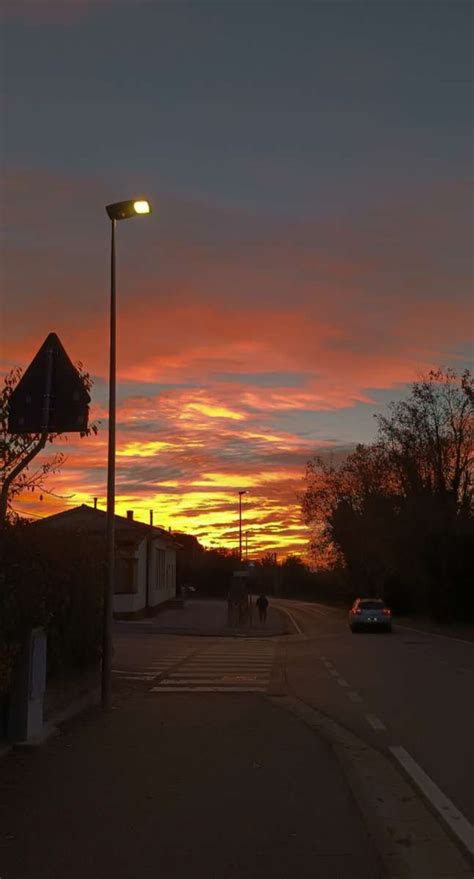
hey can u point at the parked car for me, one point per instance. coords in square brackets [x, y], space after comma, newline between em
[370, 613]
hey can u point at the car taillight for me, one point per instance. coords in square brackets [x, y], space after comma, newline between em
[387, 611]
[357, 610]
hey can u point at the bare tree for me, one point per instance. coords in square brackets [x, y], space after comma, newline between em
[430, 437]
[17, 451]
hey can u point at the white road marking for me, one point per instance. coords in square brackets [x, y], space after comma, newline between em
[221, 669]
[191, 677]
[342, 682]
[224, 669]
[445, 808]
[354, 697]
[292, 619]
[133, 674]
[224, 657]
[137, 677]
[435, 634]
[232, 662]
[374, 722]
[228, 689]
[334, 672]
[313, 609]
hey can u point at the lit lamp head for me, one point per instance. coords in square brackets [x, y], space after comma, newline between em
[123, 210]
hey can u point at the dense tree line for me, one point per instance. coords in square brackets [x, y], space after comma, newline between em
[397, 514]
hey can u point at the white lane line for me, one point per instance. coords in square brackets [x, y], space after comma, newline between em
[342, 682]
[434, 634]
[189, 677]
[137, 677]
[374, 722]
[354, 697]
[234, 657]
[237, 657]
[262, 665]
[228, 689]
[202, 679]
[334, 672]
[219, 662]
[312, 609]
[445, 808]
[292, 620]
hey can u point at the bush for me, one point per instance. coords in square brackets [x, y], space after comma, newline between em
[54, 581]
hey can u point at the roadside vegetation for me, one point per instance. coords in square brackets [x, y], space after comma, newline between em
[395, 518]
[55, 582]
[48, 581]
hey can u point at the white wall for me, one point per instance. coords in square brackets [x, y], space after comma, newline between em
[132, 602]
[162, 578]
[162, 573]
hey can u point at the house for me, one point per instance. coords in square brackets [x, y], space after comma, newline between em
[145, 559]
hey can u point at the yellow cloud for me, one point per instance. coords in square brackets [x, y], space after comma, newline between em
[143, 450]
[211, 411]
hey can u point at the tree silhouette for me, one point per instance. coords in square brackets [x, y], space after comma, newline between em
[17, 451]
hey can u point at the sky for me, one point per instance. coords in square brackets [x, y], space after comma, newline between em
[308, 256]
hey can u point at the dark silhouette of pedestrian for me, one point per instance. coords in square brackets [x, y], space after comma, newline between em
[262, 604]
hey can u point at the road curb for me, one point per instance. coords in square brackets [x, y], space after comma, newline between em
[410, 840]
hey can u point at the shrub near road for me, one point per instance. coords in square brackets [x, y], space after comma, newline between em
[54, 583]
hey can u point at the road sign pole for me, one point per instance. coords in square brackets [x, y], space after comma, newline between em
[107, 645]
[47, 391]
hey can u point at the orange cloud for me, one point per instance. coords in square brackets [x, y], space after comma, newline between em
[243, 345]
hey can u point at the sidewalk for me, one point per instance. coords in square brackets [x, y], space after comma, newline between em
[210, 787]
[209, 617]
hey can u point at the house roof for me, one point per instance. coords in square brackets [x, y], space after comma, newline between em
[92, 520]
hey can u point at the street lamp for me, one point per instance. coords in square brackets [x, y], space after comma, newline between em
[244, 491]
[121, 210]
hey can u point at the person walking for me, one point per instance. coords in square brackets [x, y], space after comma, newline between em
[262, 604]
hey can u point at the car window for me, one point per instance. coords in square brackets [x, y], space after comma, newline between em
[371, 605]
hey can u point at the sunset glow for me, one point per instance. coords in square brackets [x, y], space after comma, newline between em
[307, 258]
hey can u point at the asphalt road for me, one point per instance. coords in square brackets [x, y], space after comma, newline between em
[409, 689]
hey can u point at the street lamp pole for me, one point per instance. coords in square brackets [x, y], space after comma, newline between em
[107, 646]
[240, 523]
[120, 211]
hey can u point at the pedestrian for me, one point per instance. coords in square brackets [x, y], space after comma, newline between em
[262, 604]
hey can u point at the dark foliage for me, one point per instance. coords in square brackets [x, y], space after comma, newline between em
[399, 514]
[51, 581]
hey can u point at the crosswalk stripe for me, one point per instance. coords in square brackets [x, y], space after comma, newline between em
[222, 669]
[247, 662]
[189, 676]
[175, 689]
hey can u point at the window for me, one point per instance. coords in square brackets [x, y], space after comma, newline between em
[125, 574]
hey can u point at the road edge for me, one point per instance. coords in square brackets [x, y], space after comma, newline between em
[410, 840]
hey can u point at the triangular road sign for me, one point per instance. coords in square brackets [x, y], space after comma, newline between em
[50, 397]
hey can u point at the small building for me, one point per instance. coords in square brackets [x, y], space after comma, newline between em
[145, 558]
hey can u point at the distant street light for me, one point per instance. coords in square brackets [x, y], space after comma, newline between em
[244, 491]
[121, 210]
